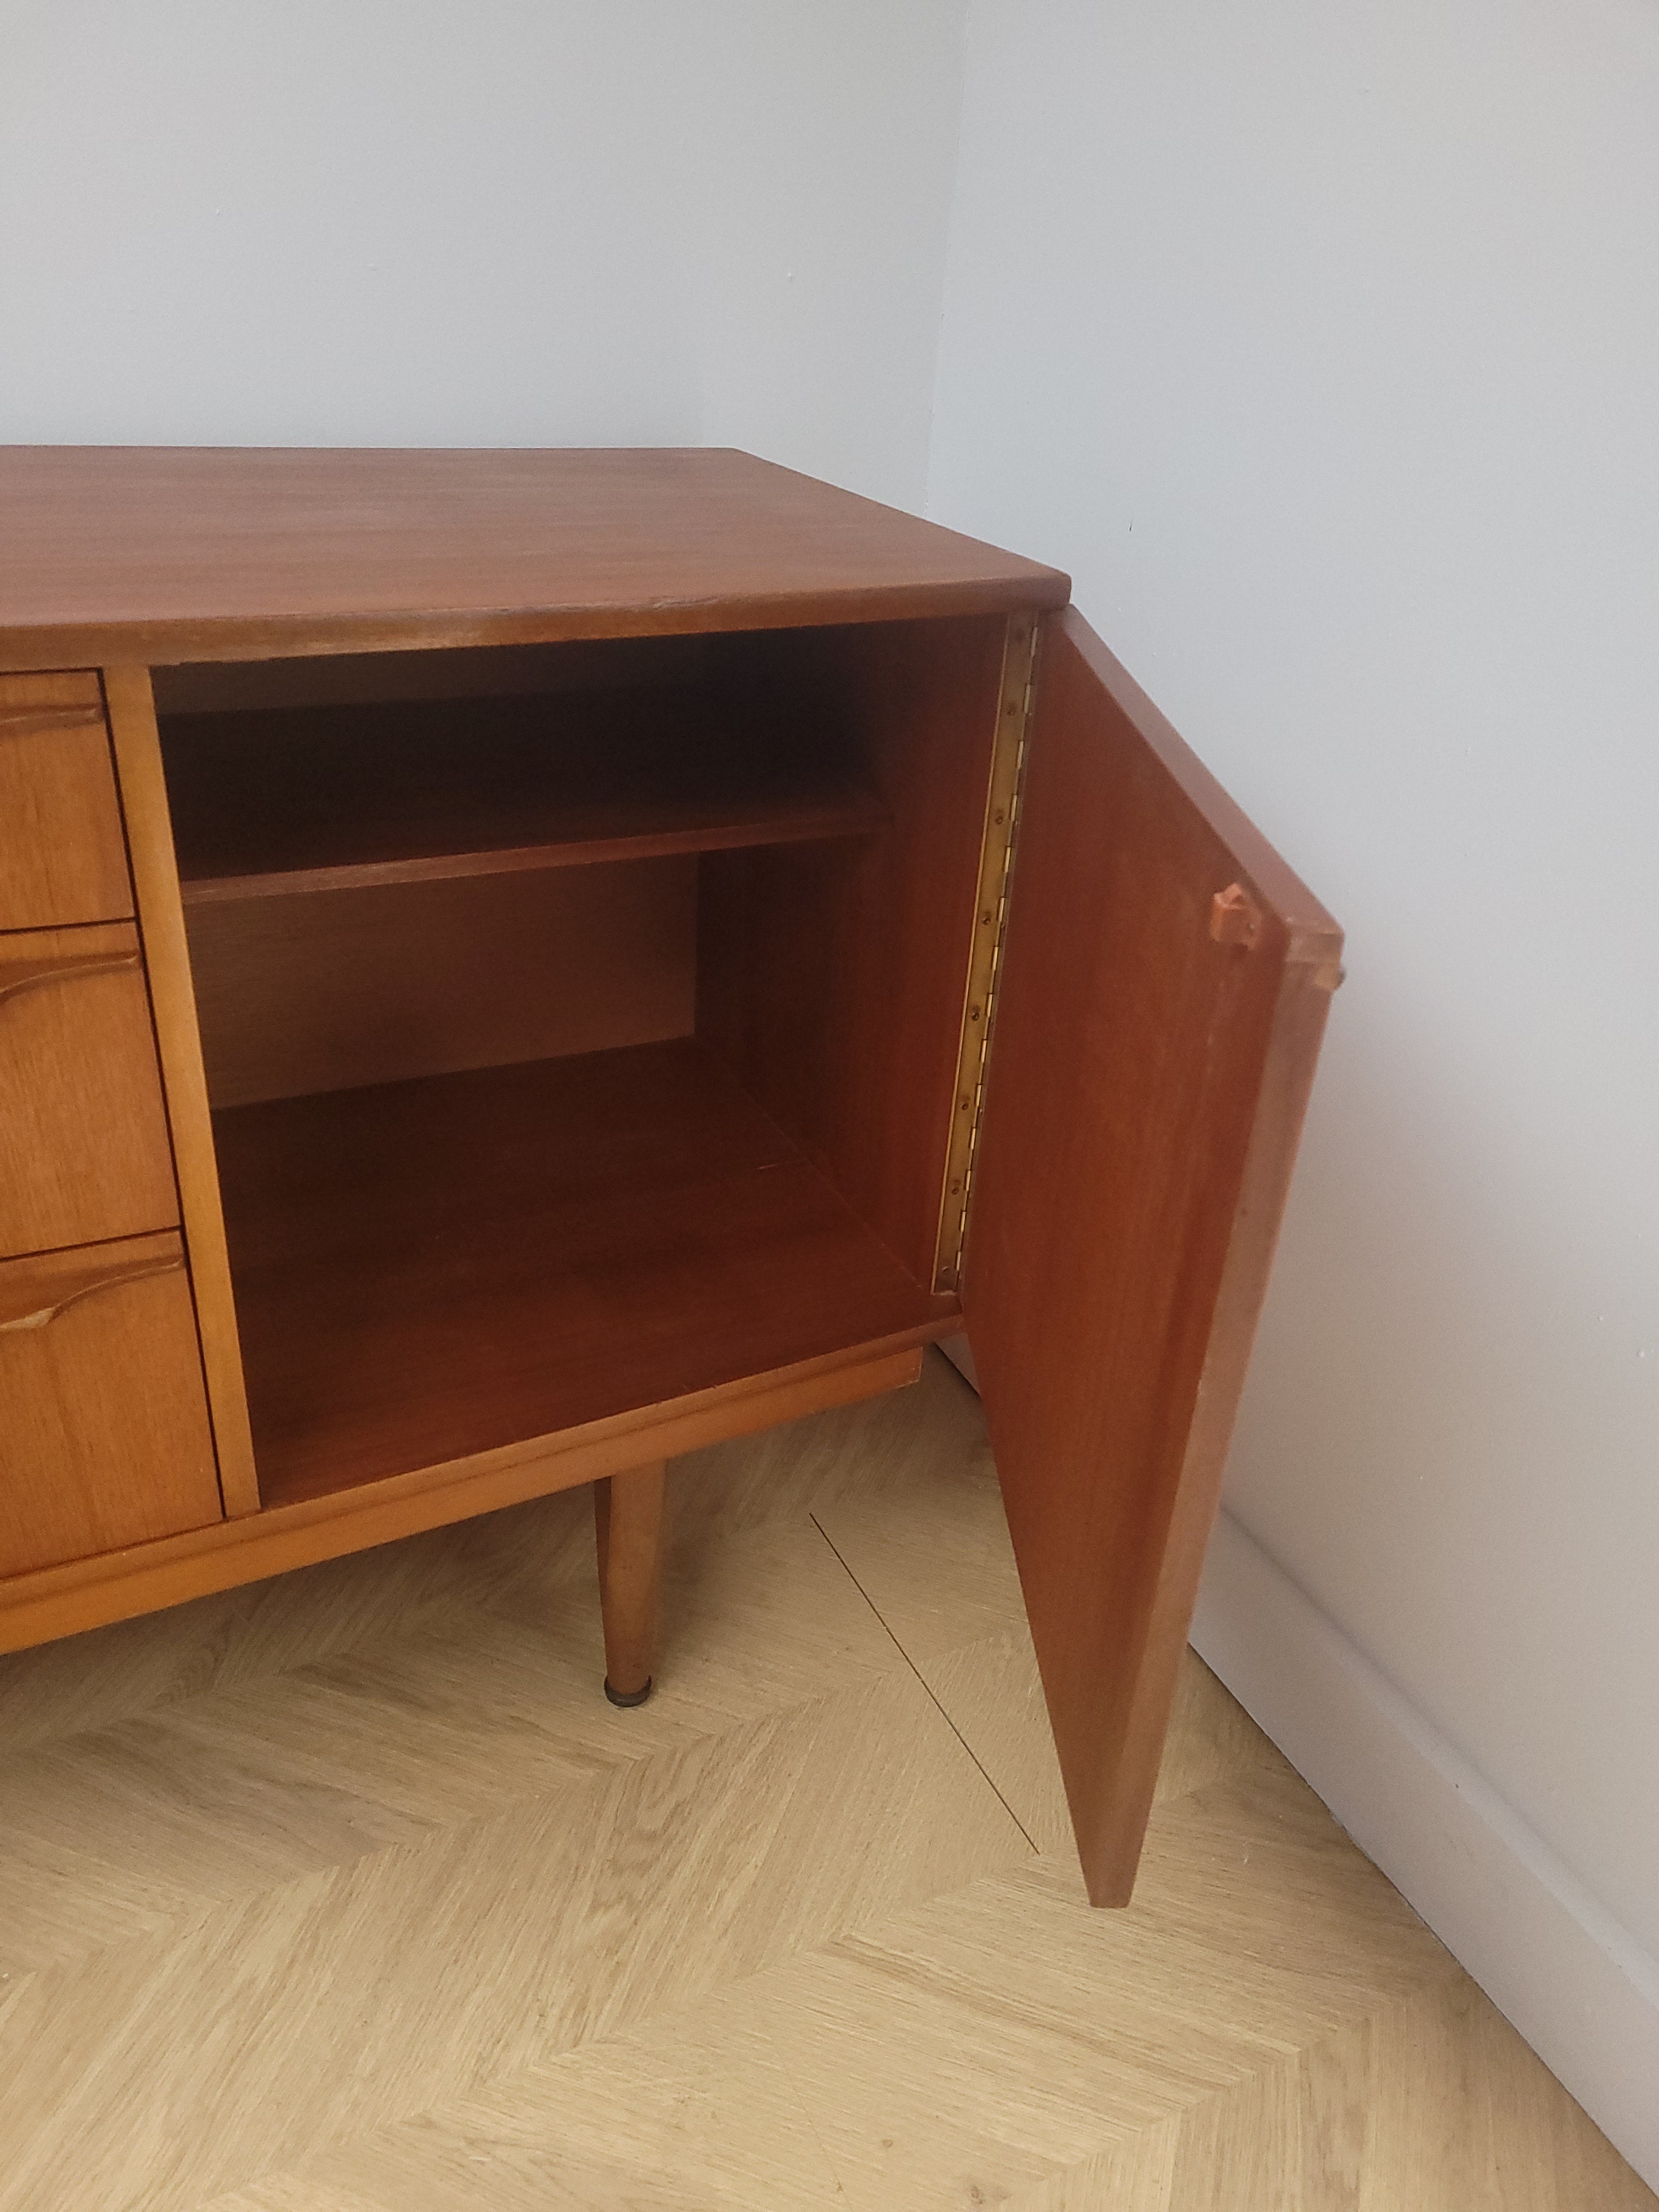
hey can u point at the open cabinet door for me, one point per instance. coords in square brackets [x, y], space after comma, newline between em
[1164, 985]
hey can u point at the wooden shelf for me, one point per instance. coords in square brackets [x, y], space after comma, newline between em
[300, 799]
[431, 1269]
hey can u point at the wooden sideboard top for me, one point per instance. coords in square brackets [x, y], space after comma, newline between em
[159, 554]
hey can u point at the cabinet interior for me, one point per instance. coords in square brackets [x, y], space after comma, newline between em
[581, 1021]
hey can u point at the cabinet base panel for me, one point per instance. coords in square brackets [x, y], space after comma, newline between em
[36, 1608]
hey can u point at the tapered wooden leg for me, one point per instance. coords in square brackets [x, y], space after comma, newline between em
[627, 1524]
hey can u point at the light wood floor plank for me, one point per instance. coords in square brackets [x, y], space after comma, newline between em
[695, 2114]
[926, 1538]
[508, 1704]
[290, 2192]
[928, 1440]
[991, 1694]
[350, 1894]
[110, 1675]
[990, 2038]
[274, 1773]
[1430, 2103]
[350, 1996]
[1137, 2176]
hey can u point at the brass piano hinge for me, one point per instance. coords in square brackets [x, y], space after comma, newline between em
[1014, 697]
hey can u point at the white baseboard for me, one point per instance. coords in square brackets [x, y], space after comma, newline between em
[1581, 1992]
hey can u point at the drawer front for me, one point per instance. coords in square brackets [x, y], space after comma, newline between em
[104, 1439]
[84, 1139]
[62, 857]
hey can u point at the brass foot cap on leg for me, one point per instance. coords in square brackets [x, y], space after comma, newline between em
[628, 1697]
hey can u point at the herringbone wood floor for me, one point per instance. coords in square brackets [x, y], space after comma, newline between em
[349, 1893]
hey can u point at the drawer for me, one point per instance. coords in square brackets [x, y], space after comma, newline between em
[84, 1139]
[63, 856]
[106, 1439]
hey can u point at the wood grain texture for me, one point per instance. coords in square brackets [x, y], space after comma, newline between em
[168, 554]
[349, 1893]
[459, 672]
[432, 1269]
[346, 988]
[1144, 1097]
[63, 858]
[58, 1601]
[627, 1531]
[105, 1440]
[335, 798]
[831, 978]
[84, 1139]
[172, 1000]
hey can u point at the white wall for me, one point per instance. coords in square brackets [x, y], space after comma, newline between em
[539, 222]
[1322, 345]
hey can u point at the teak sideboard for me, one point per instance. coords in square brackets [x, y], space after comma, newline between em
[517, 965]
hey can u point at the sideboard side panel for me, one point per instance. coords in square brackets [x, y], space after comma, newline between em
[162, 924]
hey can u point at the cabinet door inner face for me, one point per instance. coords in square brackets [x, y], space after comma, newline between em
[1163, 987]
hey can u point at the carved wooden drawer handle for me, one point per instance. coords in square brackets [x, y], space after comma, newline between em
[27, 721]
[115, 1278]
[14, 981]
